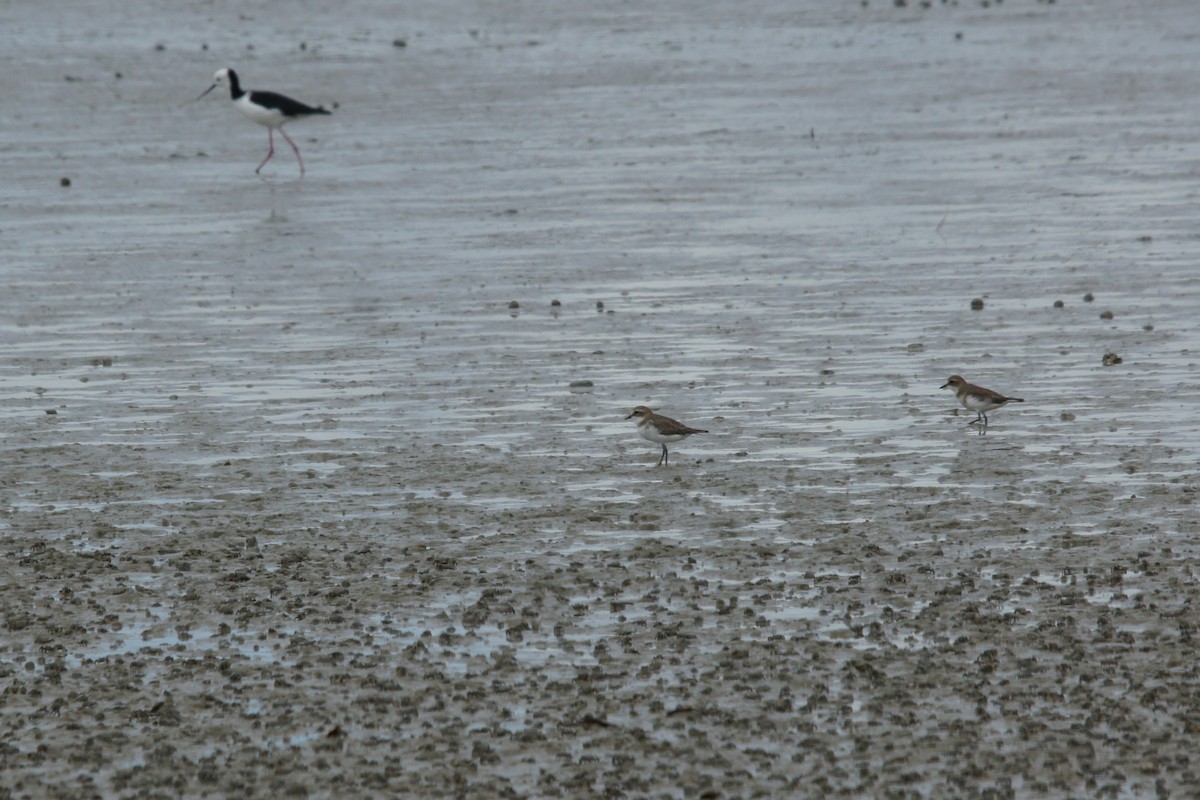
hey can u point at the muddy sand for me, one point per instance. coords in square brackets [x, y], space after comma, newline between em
[311, 490]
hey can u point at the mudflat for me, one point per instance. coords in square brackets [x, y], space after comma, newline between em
[322, 487]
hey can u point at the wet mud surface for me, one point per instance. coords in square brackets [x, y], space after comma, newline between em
[296, 502]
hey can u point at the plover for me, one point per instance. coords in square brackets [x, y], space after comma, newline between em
[266, 108]
[978, 399]
[661, 430]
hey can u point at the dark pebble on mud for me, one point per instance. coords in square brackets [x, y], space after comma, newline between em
[977, 304]
[1106, 315]
[1111, 359]
[1058, 304]
[1089, 297]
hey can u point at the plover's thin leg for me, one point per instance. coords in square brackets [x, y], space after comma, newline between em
[663, 458]
[295, 149]
[270, 148]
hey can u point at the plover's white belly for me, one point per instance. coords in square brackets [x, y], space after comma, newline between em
[978, 403]
[653, 434]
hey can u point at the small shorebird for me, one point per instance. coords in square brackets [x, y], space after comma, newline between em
[266, 108]
[978, 399]
[660, 429]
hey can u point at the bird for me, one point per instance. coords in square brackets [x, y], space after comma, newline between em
[660, 429]
[266, 108]
[978, 399]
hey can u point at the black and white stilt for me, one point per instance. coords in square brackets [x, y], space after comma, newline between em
[266, 108]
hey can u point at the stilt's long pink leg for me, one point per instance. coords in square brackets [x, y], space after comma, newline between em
[270, 148]
[295, 149]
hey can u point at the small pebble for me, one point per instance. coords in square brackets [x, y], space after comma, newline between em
[1067, 416]
[64, 182]
[1111, 359]
[977, 304]
[51, 411]
[556, 304]
[1106, 315]
[514, 304]
[1058, 303]
[399, 43]
[1089, 297]
[599, 305]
